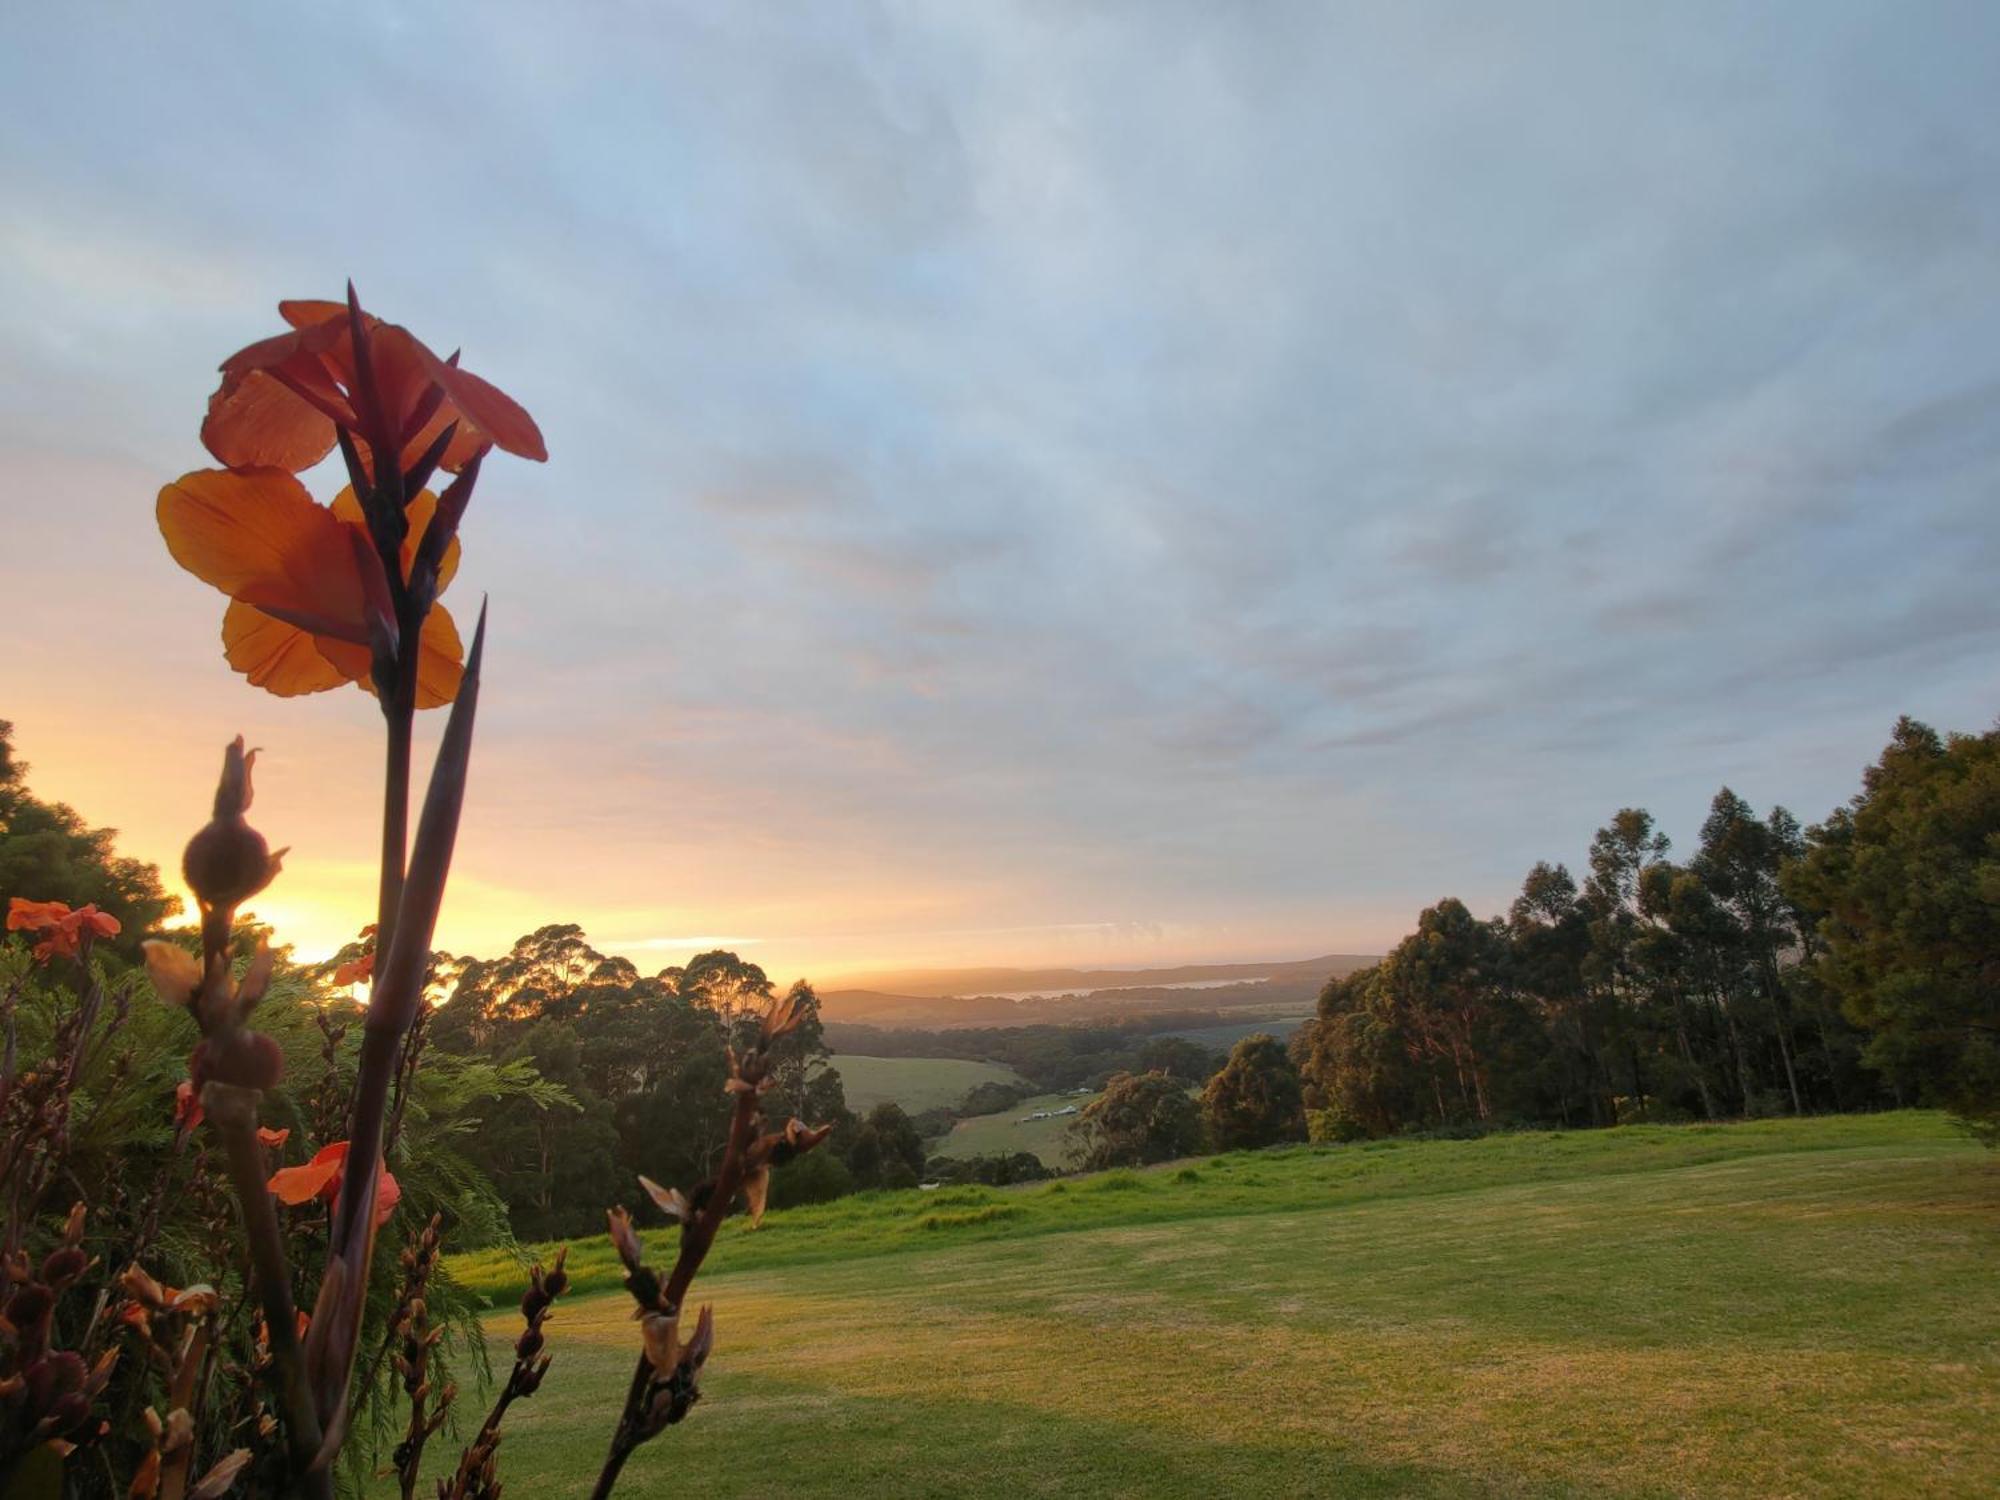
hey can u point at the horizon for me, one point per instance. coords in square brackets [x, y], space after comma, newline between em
[1110, 489]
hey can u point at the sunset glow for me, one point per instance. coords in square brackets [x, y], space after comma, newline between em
[982, 523]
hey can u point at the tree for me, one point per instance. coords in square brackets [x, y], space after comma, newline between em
[1139, 1118]
[1907, 879]
[1738, 860]
[804, 1083]
[1448, 978]
[1621, 854]
[886, 1150]
[1358, 1062]
[1177, 1057]
[1548, 929]
[1255, 1100]
[551, 1153]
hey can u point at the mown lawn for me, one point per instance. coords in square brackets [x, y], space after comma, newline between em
[1807, 1308]
[916, 1083]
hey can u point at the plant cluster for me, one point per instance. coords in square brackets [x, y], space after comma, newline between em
[268, 1366]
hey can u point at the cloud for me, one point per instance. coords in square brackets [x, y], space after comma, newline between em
[1218, 473]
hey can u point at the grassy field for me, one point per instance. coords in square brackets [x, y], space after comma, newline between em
[1783, 1308]
[916, 1083]
[1008, 1131]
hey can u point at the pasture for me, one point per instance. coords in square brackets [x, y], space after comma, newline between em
[916, 1083]
[1006, 1131]
[1779, 1308]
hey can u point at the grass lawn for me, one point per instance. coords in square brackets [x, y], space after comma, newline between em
[1008, 1131]
[916, 1083]
[1783, 1308]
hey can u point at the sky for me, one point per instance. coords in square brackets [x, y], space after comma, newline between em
[1079, 483]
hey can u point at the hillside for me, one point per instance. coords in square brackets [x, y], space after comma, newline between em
[1798, 1307]
[1006, 1131]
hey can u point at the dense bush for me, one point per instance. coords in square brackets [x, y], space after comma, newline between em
[1256, 1099]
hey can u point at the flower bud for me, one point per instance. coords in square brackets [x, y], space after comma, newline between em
[661, 1333]
[228, 861]
[247, 1059]
[69, 1411]
[64, 1265]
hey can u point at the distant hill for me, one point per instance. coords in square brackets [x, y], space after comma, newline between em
[967, 983]
[1022, 997]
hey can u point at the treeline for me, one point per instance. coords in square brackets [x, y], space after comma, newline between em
[1776, 970]
[640, 1061]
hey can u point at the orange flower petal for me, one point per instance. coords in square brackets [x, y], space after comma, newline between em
[492, 411]
[281, 396]
[33, 916]
[279, 400]
[303, 1184]
[260, 538]
[188, 1112]
[355, 971]
[254, 420]
[305, 312]
[277, 657]
[440, 659]
[388, 1193]
[478, 402]
[274, 1138]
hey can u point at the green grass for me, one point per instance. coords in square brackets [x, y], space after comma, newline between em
[916, 1083]
[1005, 1132]
[1780, 1308]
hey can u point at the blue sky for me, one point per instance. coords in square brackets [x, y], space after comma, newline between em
[1096, 482]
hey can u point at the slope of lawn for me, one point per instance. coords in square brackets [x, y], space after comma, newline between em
[1009, 1130]
[1782, 1308]
[916, 1083]
[1286, 1180]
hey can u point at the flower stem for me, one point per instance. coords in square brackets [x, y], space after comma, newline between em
[232, 1112]
[607, 1478]
[399, 710]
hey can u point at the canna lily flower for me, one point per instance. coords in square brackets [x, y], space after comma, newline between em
[310, 601]
[320, 1178]
[188, 1112]
[355, 971]
[282, 399]
[67, 929]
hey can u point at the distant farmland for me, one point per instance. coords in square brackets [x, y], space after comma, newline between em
[1006, 1132]
[916, 1083]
